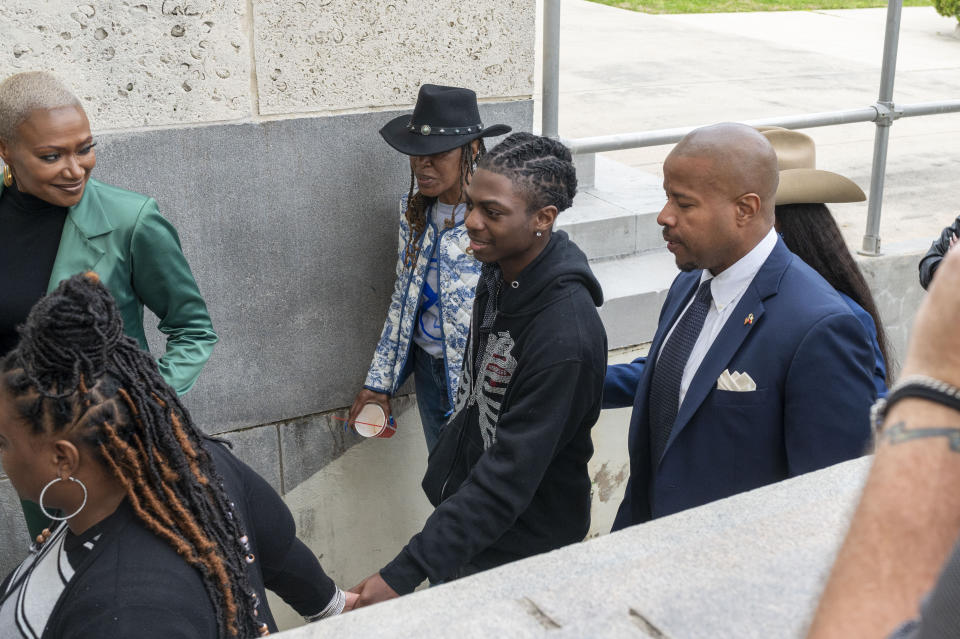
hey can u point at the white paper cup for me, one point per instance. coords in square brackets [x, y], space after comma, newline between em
[372, 422]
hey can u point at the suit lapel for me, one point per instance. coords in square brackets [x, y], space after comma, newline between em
[79, 248]
[765, 284]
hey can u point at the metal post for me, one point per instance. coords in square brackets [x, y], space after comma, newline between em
[550, 119]
[885, 116]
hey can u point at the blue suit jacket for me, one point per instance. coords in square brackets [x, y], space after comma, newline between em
[812, 364]
[880, 365]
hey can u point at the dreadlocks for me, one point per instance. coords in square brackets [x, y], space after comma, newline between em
[75, 373]
[541, 167]
[418, 203]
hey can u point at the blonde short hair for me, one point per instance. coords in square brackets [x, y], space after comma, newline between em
[23, 93]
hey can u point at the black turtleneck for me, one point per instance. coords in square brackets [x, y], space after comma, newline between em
[30, 230]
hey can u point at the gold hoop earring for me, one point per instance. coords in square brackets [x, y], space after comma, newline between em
[7, 176]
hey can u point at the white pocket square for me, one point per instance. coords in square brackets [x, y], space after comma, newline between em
[737, 382]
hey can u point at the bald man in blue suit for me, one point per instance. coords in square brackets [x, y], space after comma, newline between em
[764, 373]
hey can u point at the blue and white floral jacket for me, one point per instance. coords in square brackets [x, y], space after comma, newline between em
[458, 274]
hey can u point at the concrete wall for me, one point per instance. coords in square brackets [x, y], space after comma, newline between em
[894, 280]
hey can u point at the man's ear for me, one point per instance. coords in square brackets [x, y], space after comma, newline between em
[748, 208]
[545, 217]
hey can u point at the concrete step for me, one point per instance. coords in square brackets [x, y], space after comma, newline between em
[634, 289]
[618, 214]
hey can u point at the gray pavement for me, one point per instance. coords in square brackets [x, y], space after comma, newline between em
[624, 71]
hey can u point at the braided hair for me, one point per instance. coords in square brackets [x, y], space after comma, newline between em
[76, 374]
[418, 203]
[542, 168]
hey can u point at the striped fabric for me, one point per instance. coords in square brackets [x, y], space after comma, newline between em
[31, 592]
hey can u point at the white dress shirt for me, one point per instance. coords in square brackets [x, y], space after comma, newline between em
[726, 289]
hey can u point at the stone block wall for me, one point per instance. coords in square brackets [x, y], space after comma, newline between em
[167, 62]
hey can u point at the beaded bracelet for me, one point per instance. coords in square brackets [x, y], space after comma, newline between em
[916, 386]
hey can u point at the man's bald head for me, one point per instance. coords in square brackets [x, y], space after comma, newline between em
[741, 161]
[721, 185]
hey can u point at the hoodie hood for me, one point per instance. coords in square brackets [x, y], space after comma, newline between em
[560, 267]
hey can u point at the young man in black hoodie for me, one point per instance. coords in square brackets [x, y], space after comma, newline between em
[509, 474]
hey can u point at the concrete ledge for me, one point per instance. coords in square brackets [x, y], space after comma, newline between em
[618, 215]
[752, 565]
[634, 289]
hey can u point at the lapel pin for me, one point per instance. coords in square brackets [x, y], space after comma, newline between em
[748, 319]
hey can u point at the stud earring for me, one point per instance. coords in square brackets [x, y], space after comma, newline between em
[539, 233]
[7, 176]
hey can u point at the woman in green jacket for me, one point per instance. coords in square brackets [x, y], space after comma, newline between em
[56, 221]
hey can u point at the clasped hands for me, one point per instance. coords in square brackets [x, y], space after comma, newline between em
[371, 590]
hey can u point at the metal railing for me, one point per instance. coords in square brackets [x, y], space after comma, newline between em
[883, 113]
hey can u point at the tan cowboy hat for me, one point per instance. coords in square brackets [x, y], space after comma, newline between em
[800, 181]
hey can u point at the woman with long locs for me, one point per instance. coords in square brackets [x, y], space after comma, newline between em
[163, 532]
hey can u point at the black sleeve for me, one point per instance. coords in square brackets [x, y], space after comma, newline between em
[289, 567]
[551, 406]
[930, 261]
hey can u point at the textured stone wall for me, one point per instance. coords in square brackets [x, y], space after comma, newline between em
[157, 62]
[344, 54]
[136, 62]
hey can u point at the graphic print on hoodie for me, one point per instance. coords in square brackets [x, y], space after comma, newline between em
[508, 476]
[496, 369]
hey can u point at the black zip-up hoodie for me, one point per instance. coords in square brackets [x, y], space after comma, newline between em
[509, 474]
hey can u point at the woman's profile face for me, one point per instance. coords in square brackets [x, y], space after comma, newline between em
[52, 155]
[20, 450]
[438, 175]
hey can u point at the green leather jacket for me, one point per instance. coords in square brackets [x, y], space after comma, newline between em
[121, 236]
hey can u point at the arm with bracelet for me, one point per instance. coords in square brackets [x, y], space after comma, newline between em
[908, 519]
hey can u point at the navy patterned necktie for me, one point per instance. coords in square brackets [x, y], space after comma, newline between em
[668, 370]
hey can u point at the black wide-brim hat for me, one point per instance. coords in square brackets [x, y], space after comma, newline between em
[444, 118]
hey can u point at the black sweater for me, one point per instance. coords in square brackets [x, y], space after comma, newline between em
[134, 584]
[509, 474]
[30, 231]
